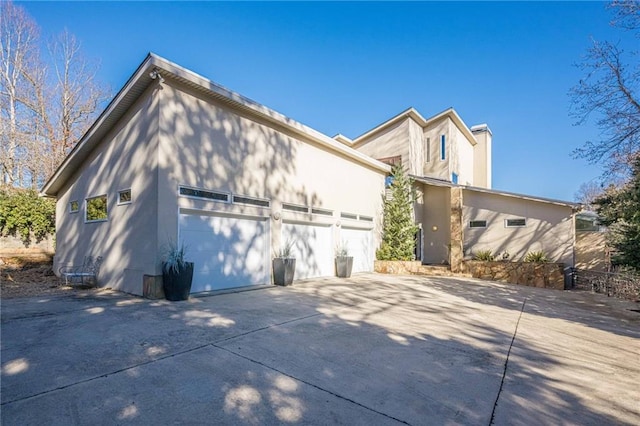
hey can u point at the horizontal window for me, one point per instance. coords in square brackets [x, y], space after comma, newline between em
[124, 196]
[349, 216]
[515, 223]
[366, 218]
[96, 208]
[201, 193]
[74, 206]
[322, 212]
[251, 201]
[477, 224]
[295, 208]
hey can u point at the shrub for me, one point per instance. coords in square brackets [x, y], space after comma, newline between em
[483, 255]
[538, 256]
[24, 214]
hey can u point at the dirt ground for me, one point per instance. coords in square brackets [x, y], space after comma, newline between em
[28, 277]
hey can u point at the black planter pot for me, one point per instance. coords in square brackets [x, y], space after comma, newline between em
[283, 270]
[344, 265]
[177, 286]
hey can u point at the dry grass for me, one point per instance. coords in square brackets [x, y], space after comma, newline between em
[29, 276]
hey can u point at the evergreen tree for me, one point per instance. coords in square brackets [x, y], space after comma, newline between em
[619, 209]
[398, 228]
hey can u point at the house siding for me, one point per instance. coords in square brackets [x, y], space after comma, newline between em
[127, 240]
[390, 142]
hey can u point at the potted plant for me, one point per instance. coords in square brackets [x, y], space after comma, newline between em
[284, 265]
[177, 273]
[344, 262]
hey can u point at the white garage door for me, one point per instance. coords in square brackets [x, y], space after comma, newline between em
[360, 244]
[227, 252]
[312, 248]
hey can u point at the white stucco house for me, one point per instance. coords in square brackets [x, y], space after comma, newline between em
[177, 157]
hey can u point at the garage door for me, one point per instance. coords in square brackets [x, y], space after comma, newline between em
[312, 247]
[227, 251]
[360, 244]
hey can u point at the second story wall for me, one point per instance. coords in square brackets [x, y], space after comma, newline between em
[390, 142]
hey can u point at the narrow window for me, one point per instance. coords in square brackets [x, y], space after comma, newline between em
[321, 212]
[74, 206]
[295, 208]
[365, 218]
[96, 209]
[443, 148]
[201, 193]
[349, 216]
[427, 150]
[240, 199]
[477, 224]
[515, 223]
[124, 197]
[454, 178]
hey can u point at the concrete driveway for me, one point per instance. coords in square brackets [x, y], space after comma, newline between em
[374, 349]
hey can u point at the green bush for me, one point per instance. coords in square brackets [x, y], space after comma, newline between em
[484, 255]
[25, 215]
[538, 256]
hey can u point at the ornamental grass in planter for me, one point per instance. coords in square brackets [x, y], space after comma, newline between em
[177, 273]
[344, 262]
[284, 265]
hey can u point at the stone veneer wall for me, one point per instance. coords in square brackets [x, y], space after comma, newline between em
[543, 275]
[397, 267]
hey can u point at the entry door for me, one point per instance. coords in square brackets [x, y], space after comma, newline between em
[312, 247]
[227, 252]
[360, 245]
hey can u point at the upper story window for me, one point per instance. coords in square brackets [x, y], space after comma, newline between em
[124, 197]
[443, 148]
[427, 150]
[74, 206]
[96, 209]
[454, 178]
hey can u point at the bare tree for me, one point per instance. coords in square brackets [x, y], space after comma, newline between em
[48, 101]
[611, 92]
[587, 193]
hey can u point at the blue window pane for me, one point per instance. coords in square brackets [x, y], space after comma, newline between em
[443, 148]
[388, 181]
[454, 178]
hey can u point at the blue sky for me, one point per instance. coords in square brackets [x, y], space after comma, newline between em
[347, 67]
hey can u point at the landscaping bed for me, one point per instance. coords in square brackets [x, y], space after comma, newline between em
[23, 277]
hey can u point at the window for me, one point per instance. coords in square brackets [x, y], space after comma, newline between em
[96, 209]
[515, 223]
[477, 224]
[124, 197]
[427, 150]
[454, 178]
[366, 218]
[251, 201]
[388, 181]
[392, 161]
[349, 216]
[322, 212]
[295, 208]
[443, 148]
[200, 193]
[74, 206]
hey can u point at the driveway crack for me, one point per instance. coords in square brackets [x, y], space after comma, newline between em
[506, 362]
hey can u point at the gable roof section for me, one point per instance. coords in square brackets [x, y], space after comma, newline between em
[442, 182]
[142, 79]
[423, 122]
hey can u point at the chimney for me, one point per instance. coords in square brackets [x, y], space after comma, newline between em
[482, 156]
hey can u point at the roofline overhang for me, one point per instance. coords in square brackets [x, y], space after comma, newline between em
[441, 182]
[423, 122]
[141, 80]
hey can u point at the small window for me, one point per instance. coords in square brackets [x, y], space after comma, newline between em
[478, 224]
[366, 218]
[96, 209]
[349, 216]
[74, 206]
[201, 193]
[322, 212]
[515, 223]
[124, 196]
[251, 201]
[454, 178]
[295, 208]
[388, 181]
[443, 148]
